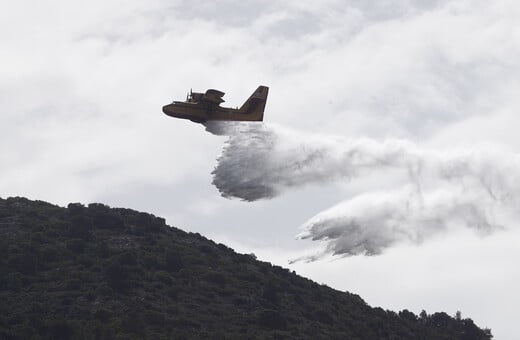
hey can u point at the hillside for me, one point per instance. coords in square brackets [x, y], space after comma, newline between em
[101, 273]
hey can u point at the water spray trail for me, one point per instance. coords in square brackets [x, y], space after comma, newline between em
[473, 188]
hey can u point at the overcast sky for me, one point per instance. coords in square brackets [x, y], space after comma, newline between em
[82, 85]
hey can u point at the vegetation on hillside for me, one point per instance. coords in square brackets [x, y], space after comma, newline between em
[92, 272]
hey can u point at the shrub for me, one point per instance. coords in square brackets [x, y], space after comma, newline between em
[151, 262]
[62, 329]
[49, 253]
[271, 319]
[270, 293]
[323, 317]
[80, 227]
[215, 277]
[107, 220]
[75, 209]
[155, 318]
[24, 263]
[116, 275]
[73, 284]
[76, 245]
[149, 223]
[133, 323]
[407, 315]
[127, 258]
[102, 314]
[14, 281]
[173, 261]
[163, 277]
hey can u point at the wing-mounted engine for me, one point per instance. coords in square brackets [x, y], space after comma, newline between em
[213, 96]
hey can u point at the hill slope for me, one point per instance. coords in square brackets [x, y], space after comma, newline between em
[100, 273]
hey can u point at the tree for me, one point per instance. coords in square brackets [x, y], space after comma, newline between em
[458, 315]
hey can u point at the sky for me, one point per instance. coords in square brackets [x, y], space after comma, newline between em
[429, 89]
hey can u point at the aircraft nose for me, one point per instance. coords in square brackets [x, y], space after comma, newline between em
[166, 109]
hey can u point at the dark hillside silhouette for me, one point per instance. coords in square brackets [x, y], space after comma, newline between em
[94, 272]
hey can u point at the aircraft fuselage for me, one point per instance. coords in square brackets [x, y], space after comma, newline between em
[201, 112]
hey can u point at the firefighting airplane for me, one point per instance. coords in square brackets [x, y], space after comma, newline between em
[202, 107]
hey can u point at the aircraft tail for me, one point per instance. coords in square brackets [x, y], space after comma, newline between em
[255, 105]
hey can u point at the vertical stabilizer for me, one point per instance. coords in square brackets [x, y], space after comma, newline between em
[255, 105]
